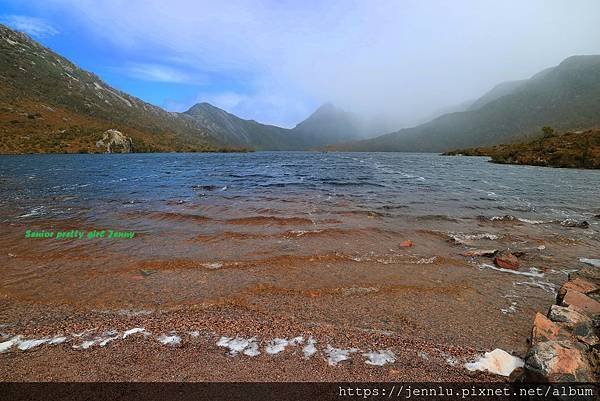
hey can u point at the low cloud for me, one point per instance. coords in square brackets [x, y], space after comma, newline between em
[402, 59]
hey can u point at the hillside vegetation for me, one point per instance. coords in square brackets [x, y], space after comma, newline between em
[579, 149]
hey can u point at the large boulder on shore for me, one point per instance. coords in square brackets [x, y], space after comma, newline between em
[115, 142]
[559, 361]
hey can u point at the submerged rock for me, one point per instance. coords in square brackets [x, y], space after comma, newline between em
[507, 260]
[406, 244]
[480, 252]
[115, 141]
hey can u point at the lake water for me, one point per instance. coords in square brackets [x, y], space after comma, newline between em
[311, 237]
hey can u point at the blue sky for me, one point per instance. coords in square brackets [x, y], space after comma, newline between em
[276, 61]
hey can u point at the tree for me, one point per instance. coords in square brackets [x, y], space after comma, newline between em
[548, 131]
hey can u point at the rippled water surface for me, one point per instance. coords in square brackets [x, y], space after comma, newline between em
[315, 236]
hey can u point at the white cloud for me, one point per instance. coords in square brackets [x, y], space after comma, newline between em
[400, 58]
[33, 26]
[161, 73]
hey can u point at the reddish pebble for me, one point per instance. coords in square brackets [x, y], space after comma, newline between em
[406, 244]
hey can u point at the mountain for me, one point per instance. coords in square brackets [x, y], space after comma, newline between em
[326, 126]
[48, 104]
[566, 97]
[235, 131]
[329, 125]
[502, 89]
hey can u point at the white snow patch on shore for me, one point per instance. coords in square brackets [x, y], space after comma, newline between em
[252, 349]
[7, 345]
[85, 345]
[57, 340]
[309, 349]
[337, 355]
[29, 344]
[276, 346]
[135, 330]
[497, 361]
[170, 340]
[238, 344]
[380, 357]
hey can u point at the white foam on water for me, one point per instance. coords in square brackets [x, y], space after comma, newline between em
[533, 272]
[29, 344]
[135, 330]
[544, 285]
[337, 355]
[170, 340]
[511, 309]
[309, 349]
[591, 262]
[426, 261]
[497, 361]
[380, 357]
[530, 221]
[213, 265]
[276, 346]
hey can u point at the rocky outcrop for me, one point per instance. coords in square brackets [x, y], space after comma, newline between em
[115, 142]
[565, 345]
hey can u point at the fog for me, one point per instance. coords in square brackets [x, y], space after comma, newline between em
[275, 61]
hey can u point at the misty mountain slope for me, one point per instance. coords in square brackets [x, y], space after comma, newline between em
[329, 125]
[502, 89]
[566, 97]
[236, 131]
[48, 104]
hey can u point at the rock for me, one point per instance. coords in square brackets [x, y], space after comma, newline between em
[585, 333]
[577, 284]
[581, 303]
[497, 361]
[568, 316]
[406, 244]
[559, 361]
[115, 141]
[506, 260]
[480, 252]
[574, 223]
[545, 329]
